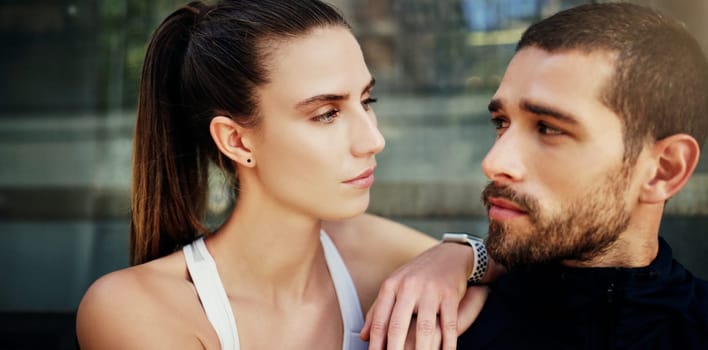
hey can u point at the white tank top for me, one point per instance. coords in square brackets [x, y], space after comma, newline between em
[216, 304]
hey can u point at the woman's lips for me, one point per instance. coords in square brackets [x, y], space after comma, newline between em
[363, 180]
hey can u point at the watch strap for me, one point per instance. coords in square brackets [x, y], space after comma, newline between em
[481, 257]
[481, 262]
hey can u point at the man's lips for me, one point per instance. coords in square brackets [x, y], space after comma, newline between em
[364, 180]
[504, 203]
[501, 209]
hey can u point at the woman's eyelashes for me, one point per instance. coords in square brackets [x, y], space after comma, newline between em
[332, 114]
[368, 101]
[327, 117]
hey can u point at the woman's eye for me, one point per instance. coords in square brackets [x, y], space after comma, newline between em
[546, 129]
[327, 117]
[367, 102]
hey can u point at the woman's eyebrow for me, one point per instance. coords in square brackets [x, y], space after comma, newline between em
[331, 97]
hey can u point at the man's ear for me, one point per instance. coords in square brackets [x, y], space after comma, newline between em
[675, 158]
[233, 140]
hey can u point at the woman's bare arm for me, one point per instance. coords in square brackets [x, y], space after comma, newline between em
[414, 275]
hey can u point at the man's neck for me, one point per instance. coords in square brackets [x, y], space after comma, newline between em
[637, 246]
[622, 253]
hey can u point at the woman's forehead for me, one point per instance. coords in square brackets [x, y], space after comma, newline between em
[325, 60]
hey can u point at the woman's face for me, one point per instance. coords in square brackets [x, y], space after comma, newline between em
[318, 136]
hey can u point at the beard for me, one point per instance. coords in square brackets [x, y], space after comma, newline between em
[583, 230]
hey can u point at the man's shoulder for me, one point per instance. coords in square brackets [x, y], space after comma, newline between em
[697, 310]
[503, 323]
[662, 315]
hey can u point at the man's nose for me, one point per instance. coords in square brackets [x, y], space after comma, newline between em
[504, 161]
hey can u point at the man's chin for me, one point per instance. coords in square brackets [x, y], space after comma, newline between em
[509, 249]
[517, 248]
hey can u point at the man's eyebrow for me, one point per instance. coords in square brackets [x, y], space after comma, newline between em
[494, 105]
[331, 97]
[549, 112]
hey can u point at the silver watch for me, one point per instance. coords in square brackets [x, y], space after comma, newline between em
[481, 259]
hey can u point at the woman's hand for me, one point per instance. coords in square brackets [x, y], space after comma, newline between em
[433, 288]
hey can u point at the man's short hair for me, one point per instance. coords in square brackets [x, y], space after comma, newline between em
[660, 84]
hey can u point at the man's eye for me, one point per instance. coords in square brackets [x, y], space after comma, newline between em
[500, 123]
[327, 117]
[546, 129]
[367, 102]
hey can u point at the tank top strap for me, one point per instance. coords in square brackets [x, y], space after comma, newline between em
[348, 299]
[212, 293]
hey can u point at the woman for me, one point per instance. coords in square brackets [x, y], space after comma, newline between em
[277, 94]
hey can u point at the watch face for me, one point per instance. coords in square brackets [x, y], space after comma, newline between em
[461, 237]
[457, 237]
[475, 238]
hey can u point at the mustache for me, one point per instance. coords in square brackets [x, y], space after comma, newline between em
[525, 202]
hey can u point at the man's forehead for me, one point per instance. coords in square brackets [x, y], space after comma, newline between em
[590, 61]
[572, 75]
[566, 85]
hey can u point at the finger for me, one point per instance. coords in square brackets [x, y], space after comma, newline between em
[426, 324]
[364, 334]
[438, 338]
[470, 306]
[377, 319]
[400, 321]
[448, 323]
[410, 337]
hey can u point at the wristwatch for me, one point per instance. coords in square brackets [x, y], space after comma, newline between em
[481, 259]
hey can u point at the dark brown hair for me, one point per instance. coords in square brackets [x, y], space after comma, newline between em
[660, 83]
[201, 61]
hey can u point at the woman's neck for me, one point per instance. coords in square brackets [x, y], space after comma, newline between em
[269, 251]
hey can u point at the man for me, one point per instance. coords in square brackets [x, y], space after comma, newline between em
[600, 119]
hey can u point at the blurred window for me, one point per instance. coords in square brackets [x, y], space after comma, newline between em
[68, 96]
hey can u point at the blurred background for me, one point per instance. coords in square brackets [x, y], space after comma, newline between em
[68, 90]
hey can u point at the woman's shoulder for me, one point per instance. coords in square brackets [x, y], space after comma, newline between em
[369, 236]
[373, 247]
[152, 304]
[138, 283]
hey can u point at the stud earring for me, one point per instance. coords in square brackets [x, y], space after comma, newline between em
[248, 160]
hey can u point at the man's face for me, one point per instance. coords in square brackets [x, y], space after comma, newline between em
[559, 189]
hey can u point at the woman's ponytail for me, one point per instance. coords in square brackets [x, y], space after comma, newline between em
[169, 172]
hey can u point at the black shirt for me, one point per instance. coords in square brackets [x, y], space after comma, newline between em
[661, 306]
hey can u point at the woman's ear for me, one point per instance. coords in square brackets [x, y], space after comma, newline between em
[675, 158]
[232, 140]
